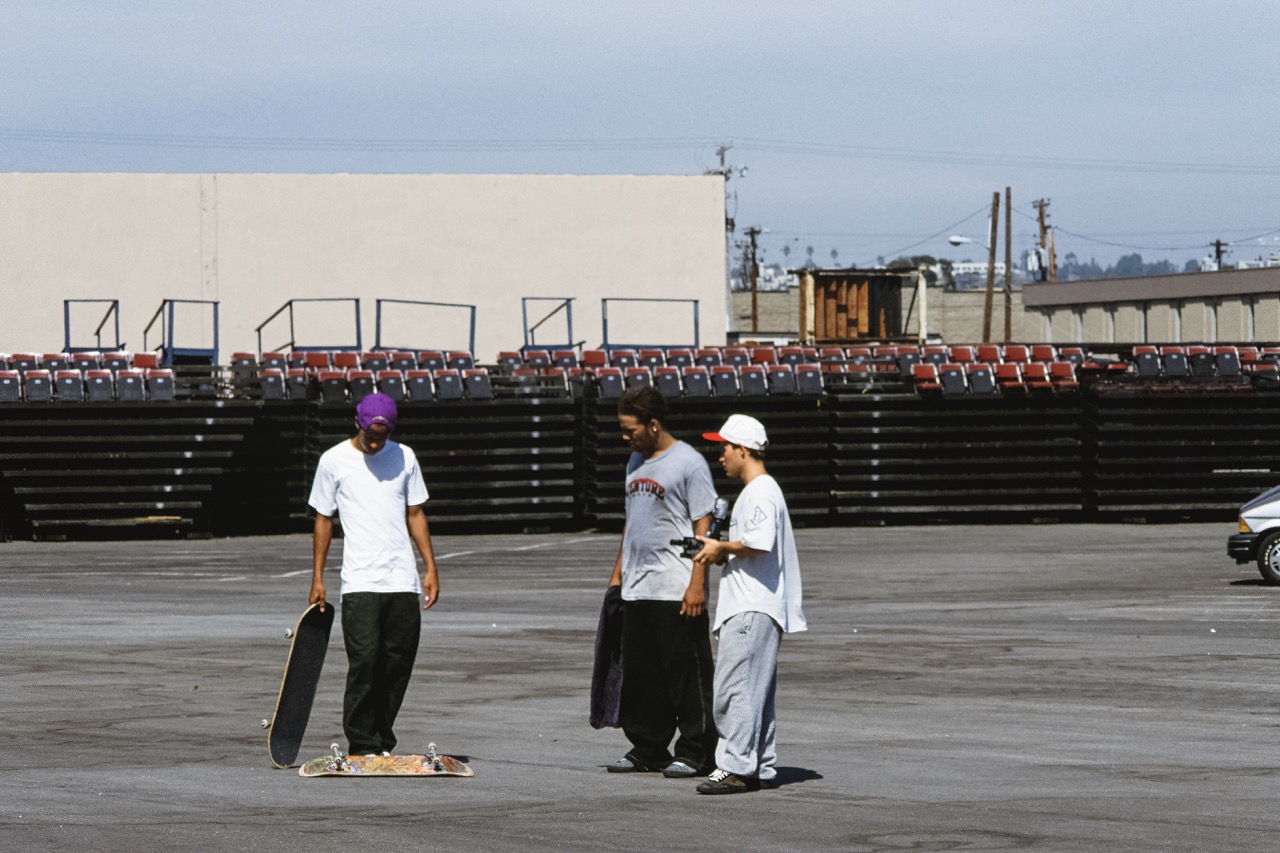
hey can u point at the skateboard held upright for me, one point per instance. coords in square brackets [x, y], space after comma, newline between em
[298, 688]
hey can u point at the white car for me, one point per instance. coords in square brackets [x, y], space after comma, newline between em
[1259, 536]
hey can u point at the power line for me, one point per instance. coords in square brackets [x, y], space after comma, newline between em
[1003, 160]
[341, 144]
[781, 146]
[1119, 245]
[945, 230]
[935, 236]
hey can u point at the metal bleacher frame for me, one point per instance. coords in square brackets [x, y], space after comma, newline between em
[172, 354]
[563, 303]
[380, 344]
[1109, 451]
[609, 346]
[112, 312]
[293, 344]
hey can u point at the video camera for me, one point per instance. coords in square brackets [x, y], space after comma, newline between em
[690, 545]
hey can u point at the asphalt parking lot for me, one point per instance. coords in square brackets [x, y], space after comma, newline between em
[1057, 688]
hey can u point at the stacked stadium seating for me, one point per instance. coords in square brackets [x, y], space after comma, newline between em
[760, 371]
[343, 377]
[93, 377]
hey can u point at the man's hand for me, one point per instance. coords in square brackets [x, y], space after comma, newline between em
[317, 595]
[694, 602]
[430, 590]
[713, 552]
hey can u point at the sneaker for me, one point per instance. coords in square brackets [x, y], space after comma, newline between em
[627, 764]
[722, 782]
[680, 769]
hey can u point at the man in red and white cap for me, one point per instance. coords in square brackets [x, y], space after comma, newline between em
[374, 485]
[759, 601]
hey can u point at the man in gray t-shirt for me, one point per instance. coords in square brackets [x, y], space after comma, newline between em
[666, 643]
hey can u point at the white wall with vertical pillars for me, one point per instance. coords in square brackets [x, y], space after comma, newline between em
[254, 241]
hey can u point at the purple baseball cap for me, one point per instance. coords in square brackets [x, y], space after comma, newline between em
[376, 409]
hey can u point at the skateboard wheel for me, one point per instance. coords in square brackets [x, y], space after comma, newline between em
[266, 724]
[288, 632]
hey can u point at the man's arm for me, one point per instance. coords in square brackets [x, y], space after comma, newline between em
[321, 536]
[694, 602]
[420, 533]
[615, 579]
[715, 551]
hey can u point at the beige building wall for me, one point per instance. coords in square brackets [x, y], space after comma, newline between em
[1233, 319]
[1266, 312]
[254, 241]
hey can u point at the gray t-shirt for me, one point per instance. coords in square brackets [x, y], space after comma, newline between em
[665, 495]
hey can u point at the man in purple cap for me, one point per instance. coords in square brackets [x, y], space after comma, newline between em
[374, 485]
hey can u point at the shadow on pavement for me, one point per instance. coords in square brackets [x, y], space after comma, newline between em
[794, 776]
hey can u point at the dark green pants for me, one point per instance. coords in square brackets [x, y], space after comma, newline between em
[381, 632]
[667, 675]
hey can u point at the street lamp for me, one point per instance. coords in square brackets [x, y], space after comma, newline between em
[958, 240]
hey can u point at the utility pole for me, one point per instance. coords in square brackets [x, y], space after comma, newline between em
[1049, 270]
[1218, 247]
[991, 267]
[726, 172]
[752, 268]
[1008, 265]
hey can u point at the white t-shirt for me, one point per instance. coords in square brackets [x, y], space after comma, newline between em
[767, 583]
[370, 493]
[665, 494]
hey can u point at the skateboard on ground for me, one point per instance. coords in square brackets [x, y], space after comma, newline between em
[298, 688]
[431, 764]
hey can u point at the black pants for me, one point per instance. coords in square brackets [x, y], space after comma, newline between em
[666, 684]
[381, 632]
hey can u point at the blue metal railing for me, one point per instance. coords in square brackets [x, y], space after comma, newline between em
[169, 350]
[292, 343]
[609, 346]
[112, 313]
[564, 304]
[380, 344]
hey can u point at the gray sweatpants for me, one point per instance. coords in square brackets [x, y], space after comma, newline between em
[745, 683]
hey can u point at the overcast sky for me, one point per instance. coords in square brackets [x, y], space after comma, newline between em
[873, 128]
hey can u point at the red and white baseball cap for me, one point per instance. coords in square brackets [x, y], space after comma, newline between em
[742, 430]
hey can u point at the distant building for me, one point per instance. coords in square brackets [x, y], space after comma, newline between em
[1231, 306]
[772, 278]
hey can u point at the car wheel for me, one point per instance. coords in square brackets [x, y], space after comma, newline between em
[1269, 558]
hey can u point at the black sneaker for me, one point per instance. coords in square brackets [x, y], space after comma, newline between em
[722, 782]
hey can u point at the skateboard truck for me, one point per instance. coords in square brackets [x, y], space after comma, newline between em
[337, 762]
[431, 759]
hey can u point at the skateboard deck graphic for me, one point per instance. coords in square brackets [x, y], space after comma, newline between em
[431, 764]
[298, 687]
